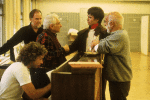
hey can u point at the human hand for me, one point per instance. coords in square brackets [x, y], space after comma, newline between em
[94, 43]
[93, 50]
[66, 47]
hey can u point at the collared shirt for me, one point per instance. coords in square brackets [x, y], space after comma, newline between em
[90, 38]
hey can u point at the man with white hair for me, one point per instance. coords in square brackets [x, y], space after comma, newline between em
[117, 62]
[55, 56]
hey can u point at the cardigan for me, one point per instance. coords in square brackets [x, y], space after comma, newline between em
[117, 61]
[56, 53]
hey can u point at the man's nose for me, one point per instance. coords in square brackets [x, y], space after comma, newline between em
[39, 20]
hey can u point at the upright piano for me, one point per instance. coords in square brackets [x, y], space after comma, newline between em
[79, 78]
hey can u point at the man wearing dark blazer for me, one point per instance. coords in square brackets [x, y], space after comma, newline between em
[95, 30]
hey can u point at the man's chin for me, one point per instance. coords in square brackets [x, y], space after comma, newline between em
[108, 31]
[37, 66]
[37, 27]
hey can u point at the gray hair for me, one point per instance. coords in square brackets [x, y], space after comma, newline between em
[50, 19]
[117, 17]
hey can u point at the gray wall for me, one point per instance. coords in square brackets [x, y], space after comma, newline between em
[69, 20]
[132, 23]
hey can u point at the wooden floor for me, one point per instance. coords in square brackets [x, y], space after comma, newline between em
[140, 84]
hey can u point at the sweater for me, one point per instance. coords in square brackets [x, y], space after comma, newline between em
[117, 62]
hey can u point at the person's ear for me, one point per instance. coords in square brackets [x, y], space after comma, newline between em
[97, 20]
[112, 24]
[30, 19]
[51, 26]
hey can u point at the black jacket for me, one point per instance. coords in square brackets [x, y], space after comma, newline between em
[25, 34]
[80, 42]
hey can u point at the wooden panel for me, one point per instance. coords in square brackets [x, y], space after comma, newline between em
[98, 83]
[85, 65]
[67, 87]
[83, 85]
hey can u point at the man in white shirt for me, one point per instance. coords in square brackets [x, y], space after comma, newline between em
[16, 78]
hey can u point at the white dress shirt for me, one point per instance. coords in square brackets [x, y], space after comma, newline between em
[90, 38]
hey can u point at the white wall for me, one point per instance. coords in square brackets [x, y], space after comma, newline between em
[48, 6]
[144, 34]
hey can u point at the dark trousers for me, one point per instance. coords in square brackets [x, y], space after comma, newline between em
[39, 79]
[118, 90]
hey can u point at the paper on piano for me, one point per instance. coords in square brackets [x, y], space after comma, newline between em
[49, 74]
[85, 64]
[72, 31]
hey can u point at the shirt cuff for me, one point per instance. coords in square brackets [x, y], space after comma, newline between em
[96, 47]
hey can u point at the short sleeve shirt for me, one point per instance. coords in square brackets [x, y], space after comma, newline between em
[15, 76]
